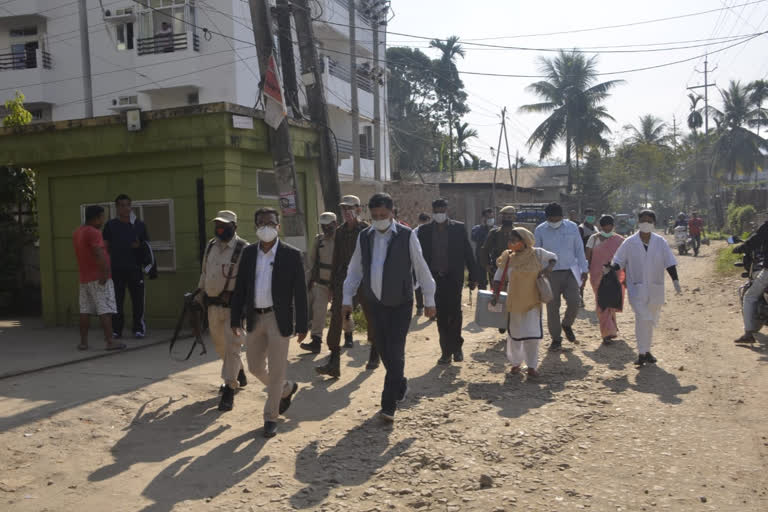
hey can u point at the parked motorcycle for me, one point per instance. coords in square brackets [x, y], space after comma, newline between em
[752, 263]
[683, 241]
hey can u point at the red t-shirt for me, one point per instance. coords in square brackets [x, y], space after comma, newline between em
[694, 226]
[85, 238]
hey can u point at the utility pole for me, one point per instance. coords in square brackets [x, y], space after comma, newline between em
[506, 142]
[353, 96]
[287, 61]
[674, 132]
[279, 139]
[706, 87]
[318, 108]
[496, 167]
[376, 97]
[85, 56]
[517, 163]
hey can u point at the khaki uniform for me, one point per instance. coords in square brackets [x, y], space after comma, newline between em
[319, 264]
[216, 266]
[495, 244]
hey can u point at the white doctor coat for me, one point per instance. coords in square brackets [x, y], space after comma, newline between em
[645, 271]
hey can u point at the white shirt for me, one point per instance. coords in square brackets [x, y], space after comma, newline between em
[378, 257]
[262, 296]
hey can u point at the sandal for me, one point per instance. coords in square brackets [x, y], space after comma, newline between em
[514, 370]
[533, 373]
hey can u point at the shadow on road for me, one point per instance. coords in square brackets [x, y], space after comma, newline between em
[349, 463]
[615, 356]
[207, 476]
[652, 379]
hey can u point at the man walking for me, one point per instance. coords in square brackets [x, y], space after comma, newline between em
[587, 228]
[562, 237]
[344, 246]
[424, 218]
[269, 292]
[221, 263]
[125, 237]
[479, 235]
[97, 292]
[645, 255]
[497, 241]
[695, 226]
[386, 256]
[446, 250]
[319, 266]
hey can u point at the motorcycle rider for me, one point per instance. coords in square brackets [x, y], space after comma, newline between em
[758, 242]
[681, 220]
[695, 226]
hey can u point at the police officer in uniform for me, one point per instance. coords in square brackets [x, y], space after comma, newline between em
[217, 282]
[319, 266]
[497, 240]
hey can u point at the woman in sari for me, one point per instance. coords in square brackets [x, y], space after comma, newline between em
[524, 264]
[600, 250]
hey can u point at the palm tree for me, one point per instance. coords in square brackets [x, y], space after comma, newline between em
[737, 148]
[571, 97]
[448, 83]
[695, 120]
[463, 155]
[758, 93]
[650, 131]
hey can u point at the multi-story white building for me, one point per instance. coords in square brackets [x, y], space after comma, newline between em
[154, 54]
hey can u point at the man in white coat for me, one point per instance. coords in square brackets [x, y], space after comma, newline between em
[645, 256]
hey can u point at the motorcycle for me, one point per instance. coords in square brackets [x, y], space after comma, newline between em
[752, 263]
[683, 241]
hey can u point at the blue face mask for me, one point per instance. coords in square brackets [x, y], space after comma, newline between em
[606, 235]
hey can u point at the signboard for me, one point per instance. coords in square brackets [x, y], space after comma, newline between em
[242, 122]
[288, 203]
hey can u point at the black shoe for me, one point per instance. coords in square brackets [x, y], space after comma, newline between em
[348, 342]
[285, 403]
[444, 360]
[270, 429]
[556, 346]
[116, 335]
[458, 356]
[227, 399]
[502, 331]
[387, 415]
[332, 368]
[314, 346]
[419, 312]
[640, 360]
[649, 358]
[569, 334]
[241, 379]
[373, 359]
[404, 393]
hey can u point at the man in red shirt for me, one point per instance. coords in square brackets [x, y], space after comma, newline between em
[695, 226]
[97, 293]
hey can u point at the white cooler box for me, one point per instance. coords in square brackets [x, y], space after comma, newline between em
[488, 315]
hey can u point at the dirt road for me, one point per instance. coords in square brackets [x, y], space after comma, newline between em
[138, 432]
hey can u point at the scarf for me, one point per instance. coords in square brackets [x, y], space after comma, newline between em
[523, 269]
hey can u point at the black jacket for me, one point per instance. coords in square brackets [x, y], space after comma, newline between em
[289, 291]
[459, 250]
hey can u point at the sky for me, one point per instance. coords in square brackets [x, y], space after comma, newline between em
[661, 92]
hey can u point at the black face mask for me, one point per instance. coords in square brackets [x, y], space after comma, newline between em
[507, 223]
[329, 231]
[225, 234]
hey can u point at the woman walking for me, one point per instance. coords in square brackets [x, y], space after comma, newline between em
[600, 250]
[524, 263]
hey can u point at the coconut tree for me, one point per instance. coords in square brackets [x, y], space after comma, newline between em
[464, 156]
[737, 149]
[651, 130]
[569, 93]
[448, 85]
[758, 93]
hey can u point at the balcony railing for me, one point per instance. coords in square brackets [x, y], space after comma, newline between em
[166, 43]
[345, 147]
[28, 59]
[338, 70]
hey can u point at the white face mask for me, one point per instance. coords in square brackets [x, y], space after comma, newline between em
[645, 227]
[382, 224]
[440, 217]
[555, 225]
[490, 222]
[266, 234]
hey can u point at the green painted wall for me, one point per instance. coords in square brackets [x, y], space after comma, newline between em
[92, 164]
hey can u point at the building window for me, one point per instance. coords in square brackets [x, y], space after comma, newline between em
[124, 36]
[23, 31]
[266, 185]
[193, 98]
[158, 216]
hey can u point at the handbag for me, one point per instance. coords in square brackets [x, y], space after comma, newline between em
[545, 289]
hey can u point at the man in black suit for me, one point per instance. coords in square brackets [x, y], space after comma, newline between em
[447, 251]
[270, 288]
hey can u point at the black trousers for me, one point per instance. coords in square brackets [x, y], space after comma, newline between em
[391, 327]
[133, 280]
[419, 298]
[482, 283]
[449, 317]
[696, 243]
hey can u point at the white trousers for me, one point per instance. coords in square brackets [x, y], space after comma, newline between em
[519, 351]
[646, 318]
[226, 344]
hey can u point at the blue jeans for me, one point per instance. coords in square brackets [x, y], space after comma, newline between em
[391, 326]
